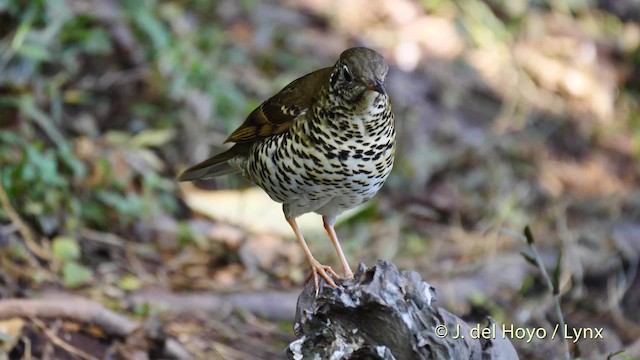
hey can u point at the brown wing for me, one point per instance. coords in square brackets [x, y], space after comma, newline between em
[277, 114]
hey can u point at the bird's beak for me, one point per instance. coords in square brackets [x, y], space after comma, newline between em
[378, 86]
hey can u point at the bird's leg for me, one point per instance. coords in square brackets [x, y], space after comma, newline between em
[316, 267]
[328, 226]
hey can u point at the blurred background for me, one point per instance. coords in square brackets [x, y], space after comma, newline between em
[510, 113]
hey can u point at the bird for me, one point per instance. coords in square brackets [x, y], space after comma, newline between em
[325, 143]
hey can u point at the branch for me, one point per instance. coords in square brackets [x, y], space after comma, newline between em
[278, 306]
[15, 218]
[84, 311]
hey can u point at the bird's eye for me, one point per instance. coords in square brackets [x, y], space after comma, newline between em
[346, 74]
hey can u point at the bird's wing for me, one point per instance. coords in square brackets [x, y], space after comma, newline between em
[277, 114]
[214, 166]
[273, 117]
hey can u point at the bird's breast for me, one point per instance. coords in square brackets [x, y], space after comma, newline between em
[326, 157]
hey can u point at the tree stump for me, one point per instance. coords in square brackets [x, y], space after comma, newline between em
[386, 314]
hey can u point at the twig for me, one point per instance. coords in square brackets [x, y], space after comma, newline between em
[59, 342]
[554, 289]
[111, 78]
[69, 307]
[30, 242]
[83, 311]
[27, 348]
[103, 237]
[614, 299]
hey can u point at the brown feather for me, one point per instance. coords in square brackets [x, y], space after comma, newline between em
[277, 114]
[214, 166]
[272, 117]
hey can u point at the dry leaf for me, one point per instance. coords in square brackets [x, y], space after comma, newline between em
[10, 332]
[251, 209]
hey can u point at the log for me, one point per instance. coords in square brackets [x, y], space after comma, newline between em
[386, 314]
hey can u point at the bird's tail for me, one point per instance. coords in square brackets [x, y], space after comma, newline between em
[212, 167]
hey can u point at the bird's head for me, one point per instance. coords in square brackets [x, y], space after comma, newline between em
[359, 72]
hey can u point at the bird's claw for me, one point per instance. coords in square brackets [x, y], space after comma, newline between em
[325, 271]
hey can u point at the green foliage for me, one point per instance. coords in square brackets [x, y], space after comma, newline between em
[82, 35]
[35, 177]
[620, 353]
[48, 185]
[66, 248]
[75, 275]
[91, 104]
[51, 52]
[528, 258]
[129, 283]
[66, 251]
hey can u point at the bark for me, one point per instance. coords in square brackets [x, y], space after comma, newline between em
[386, 314]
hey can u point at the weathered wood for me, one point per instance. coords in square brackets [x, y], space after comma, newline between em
[386, 314]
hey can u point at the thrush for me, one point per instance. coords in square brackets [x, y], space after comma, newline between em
[325, 144]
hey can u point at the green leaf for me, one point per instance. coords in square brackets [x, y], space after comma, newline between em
[22, 31]
[143, 309]
[31, 110]
[75, 275]
[116, 137]
[149, 24]
[97, 42]
[66, 248]
[129, 283]
[34, 52]
[530, 259]
[153, 137]
[621, 353]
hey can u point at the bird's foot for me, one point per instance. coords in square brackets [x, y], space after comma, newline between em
[348, 274]
[325, 271]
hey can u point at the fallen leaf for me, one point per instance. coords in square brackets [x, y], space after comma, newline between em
[252, 210]
[10, 333]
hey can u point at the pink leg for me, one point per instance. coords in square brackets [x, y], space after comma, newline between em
[316, 267]
[328, 226]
